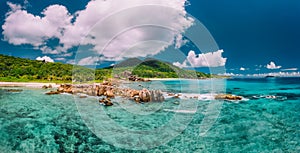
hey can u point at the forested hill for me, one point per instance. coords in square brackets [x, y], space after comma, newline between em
[20, 69]
[151, 68]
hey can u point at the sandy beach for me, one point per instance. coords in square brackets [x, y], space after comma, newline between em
[27, 84]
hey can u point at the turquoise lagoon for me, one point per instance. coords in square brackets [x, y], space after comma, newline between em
[267, 120]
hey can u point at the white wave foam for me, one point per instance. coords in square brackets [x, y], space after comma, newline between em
[181, 111]
[64, 93]
[202, 97]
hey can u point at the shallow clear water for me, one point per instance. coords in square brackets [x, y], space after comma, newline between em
[268, 122]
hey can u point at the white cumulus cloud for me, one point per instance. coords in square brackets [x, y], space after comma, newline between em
[100, 25]
[211, 59]
[14, 7]
[21, 27]
[272, 65]
[179, 41]
[181, 65]
[45, 58]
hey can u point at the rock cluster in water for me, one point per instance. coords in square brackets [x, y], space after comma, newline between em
[228, 97]
[108, 90]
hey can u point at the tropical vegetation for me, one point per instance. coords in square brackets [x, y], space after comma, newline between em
[26, 70]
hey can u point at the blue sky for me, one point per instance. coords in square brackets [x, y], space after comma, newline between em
[251, 34]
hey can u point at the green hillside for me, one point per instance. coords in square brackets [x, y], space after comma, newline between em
[25, 70]
[151, 68]
[19, 69]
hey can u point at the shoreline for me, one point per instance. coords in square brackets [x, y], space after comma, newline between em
[56, 85]
[170, 79]
[27, 84]
[159, 79]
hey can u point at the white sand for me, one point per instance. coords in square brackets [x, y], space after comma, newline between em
[27, 84]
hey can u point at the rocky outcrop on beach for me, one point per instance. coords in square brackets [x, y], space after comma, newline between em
[47, 86]
[135, 78]
[127, 75]
[227, 97]
[110, 91]
[67, 88]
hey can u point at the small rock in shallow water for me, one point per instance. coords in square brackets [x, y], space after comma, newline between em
[176, 103]
[105, 102]
[52, 93]
[14, 90]
[176, 96]
[171, 94]
[270, 97]
[137, 99]
[82, 96]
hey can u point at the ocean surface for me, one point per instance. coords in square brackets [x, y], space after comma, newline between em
[266, 120]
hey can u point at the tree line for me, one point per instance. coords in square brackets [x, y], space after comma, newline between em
[24, 70]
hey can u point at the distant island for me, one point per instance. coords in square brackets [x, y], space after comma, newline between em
[14, 69]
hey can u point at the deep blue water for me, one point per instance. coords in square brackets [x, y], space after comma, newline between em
[269, 121]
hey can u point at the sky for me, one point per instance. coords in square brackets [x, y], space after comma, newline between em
[252, 36]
